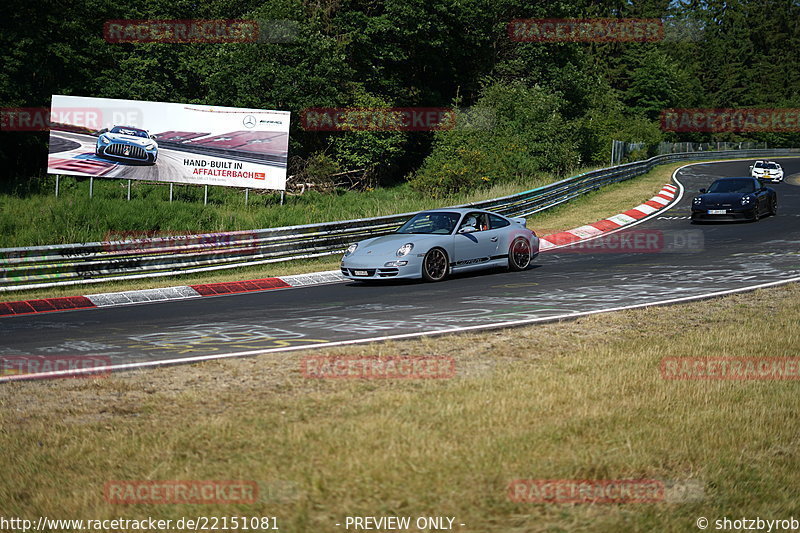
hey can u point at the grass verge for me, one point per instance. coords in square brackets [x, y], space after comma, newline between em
[594, 206]
[575, 400]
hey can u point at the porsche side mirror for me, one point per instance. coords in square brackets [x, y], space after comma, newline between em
[702, 191]
[467, 229]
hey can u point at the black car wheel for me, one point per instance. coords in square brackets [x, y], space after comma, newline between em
[773, 207]
[435, 265]
[519, 255]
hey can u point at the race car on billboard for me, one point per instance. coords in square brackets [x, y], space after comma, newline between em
[767, 170]
[734, 199]
[125, 142]
[433, 244]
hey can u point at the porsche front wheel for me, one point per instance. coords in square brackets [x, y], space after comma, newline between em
[435, 265]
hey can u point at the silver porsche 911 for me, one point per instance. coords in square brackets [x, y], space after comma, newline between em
[434, 244]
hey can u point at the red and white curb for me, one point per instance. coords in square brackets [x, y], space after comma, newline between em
[184, 292]
[665, 197]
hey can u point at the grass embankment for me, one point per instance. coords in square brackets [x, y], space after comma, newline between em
[592, 207]
[28, 219]
[577, 400]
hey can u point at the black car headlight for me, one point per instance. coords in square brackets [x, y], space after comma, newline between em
[405, 249]
[697, 200]
[350, 250]
[745, 200]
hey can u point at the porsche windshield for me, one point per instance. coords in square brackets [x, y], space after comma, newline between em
[431, 223]
[129, 131]
[743, 186]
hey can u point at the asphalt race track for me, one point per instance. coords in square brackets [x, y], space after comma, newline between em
[686, 261]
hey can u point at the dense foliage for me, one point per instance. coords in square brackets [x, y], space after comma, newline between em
[544, 107]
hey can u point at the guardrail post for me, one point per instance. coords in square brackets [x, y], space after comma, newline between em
[57, 176]
[282, 194]
[129, 190]
[246, 195]
[205, 195]
[170, 193]
[91, 186]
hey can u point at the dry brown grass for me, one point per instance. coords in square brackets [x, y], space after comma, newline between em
[579, 399]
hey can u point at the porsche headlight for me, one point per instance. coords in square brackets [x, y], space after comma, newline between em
[697, 200]
[405, 249]
[350, 250]
[745, 200]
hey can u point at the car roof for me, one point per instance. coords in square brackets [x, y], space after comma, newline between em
[459, 210]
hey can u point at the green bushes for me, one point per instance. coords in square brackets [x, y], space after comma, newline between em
[526, 137]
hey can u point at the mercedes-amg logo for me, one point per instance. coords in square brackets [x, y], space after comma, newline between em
[249, 121]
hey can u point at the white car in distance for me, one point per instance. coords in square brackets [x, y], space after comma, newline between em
[767, 170]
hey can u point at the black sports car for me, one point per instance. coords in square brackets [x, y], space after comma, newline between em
[734, 199]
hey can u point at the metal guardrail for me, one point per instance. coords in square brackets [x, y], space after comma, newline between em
[71, 264]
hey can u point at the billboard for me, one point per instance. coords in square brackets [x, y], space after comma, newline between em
[168, 142]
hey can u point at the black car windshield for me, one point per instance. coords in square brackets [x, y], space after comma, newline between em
[129, 131]
[431, 223]
[743, 186]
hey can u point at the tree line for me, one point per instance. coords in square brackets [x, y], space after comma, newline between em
[547, 107]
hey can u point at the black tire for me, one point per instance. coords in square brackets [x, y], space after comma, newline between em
[519, 254]
[773, 207]
[756, 213]
[435, 265]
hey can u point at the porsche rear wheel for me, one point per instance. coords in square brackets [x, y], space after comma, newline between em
[435, 265]
[519, 254]
[773, 207]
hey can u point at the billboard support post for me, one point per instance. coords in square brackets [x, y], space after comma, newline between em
[91, 186]
[246, 195]
[57, 176]
[205, 195]
[282, 193]
[129, 190]
[170, 193]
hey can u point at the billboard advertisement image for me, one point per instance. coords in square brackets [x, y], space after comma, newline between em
[168, 142]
